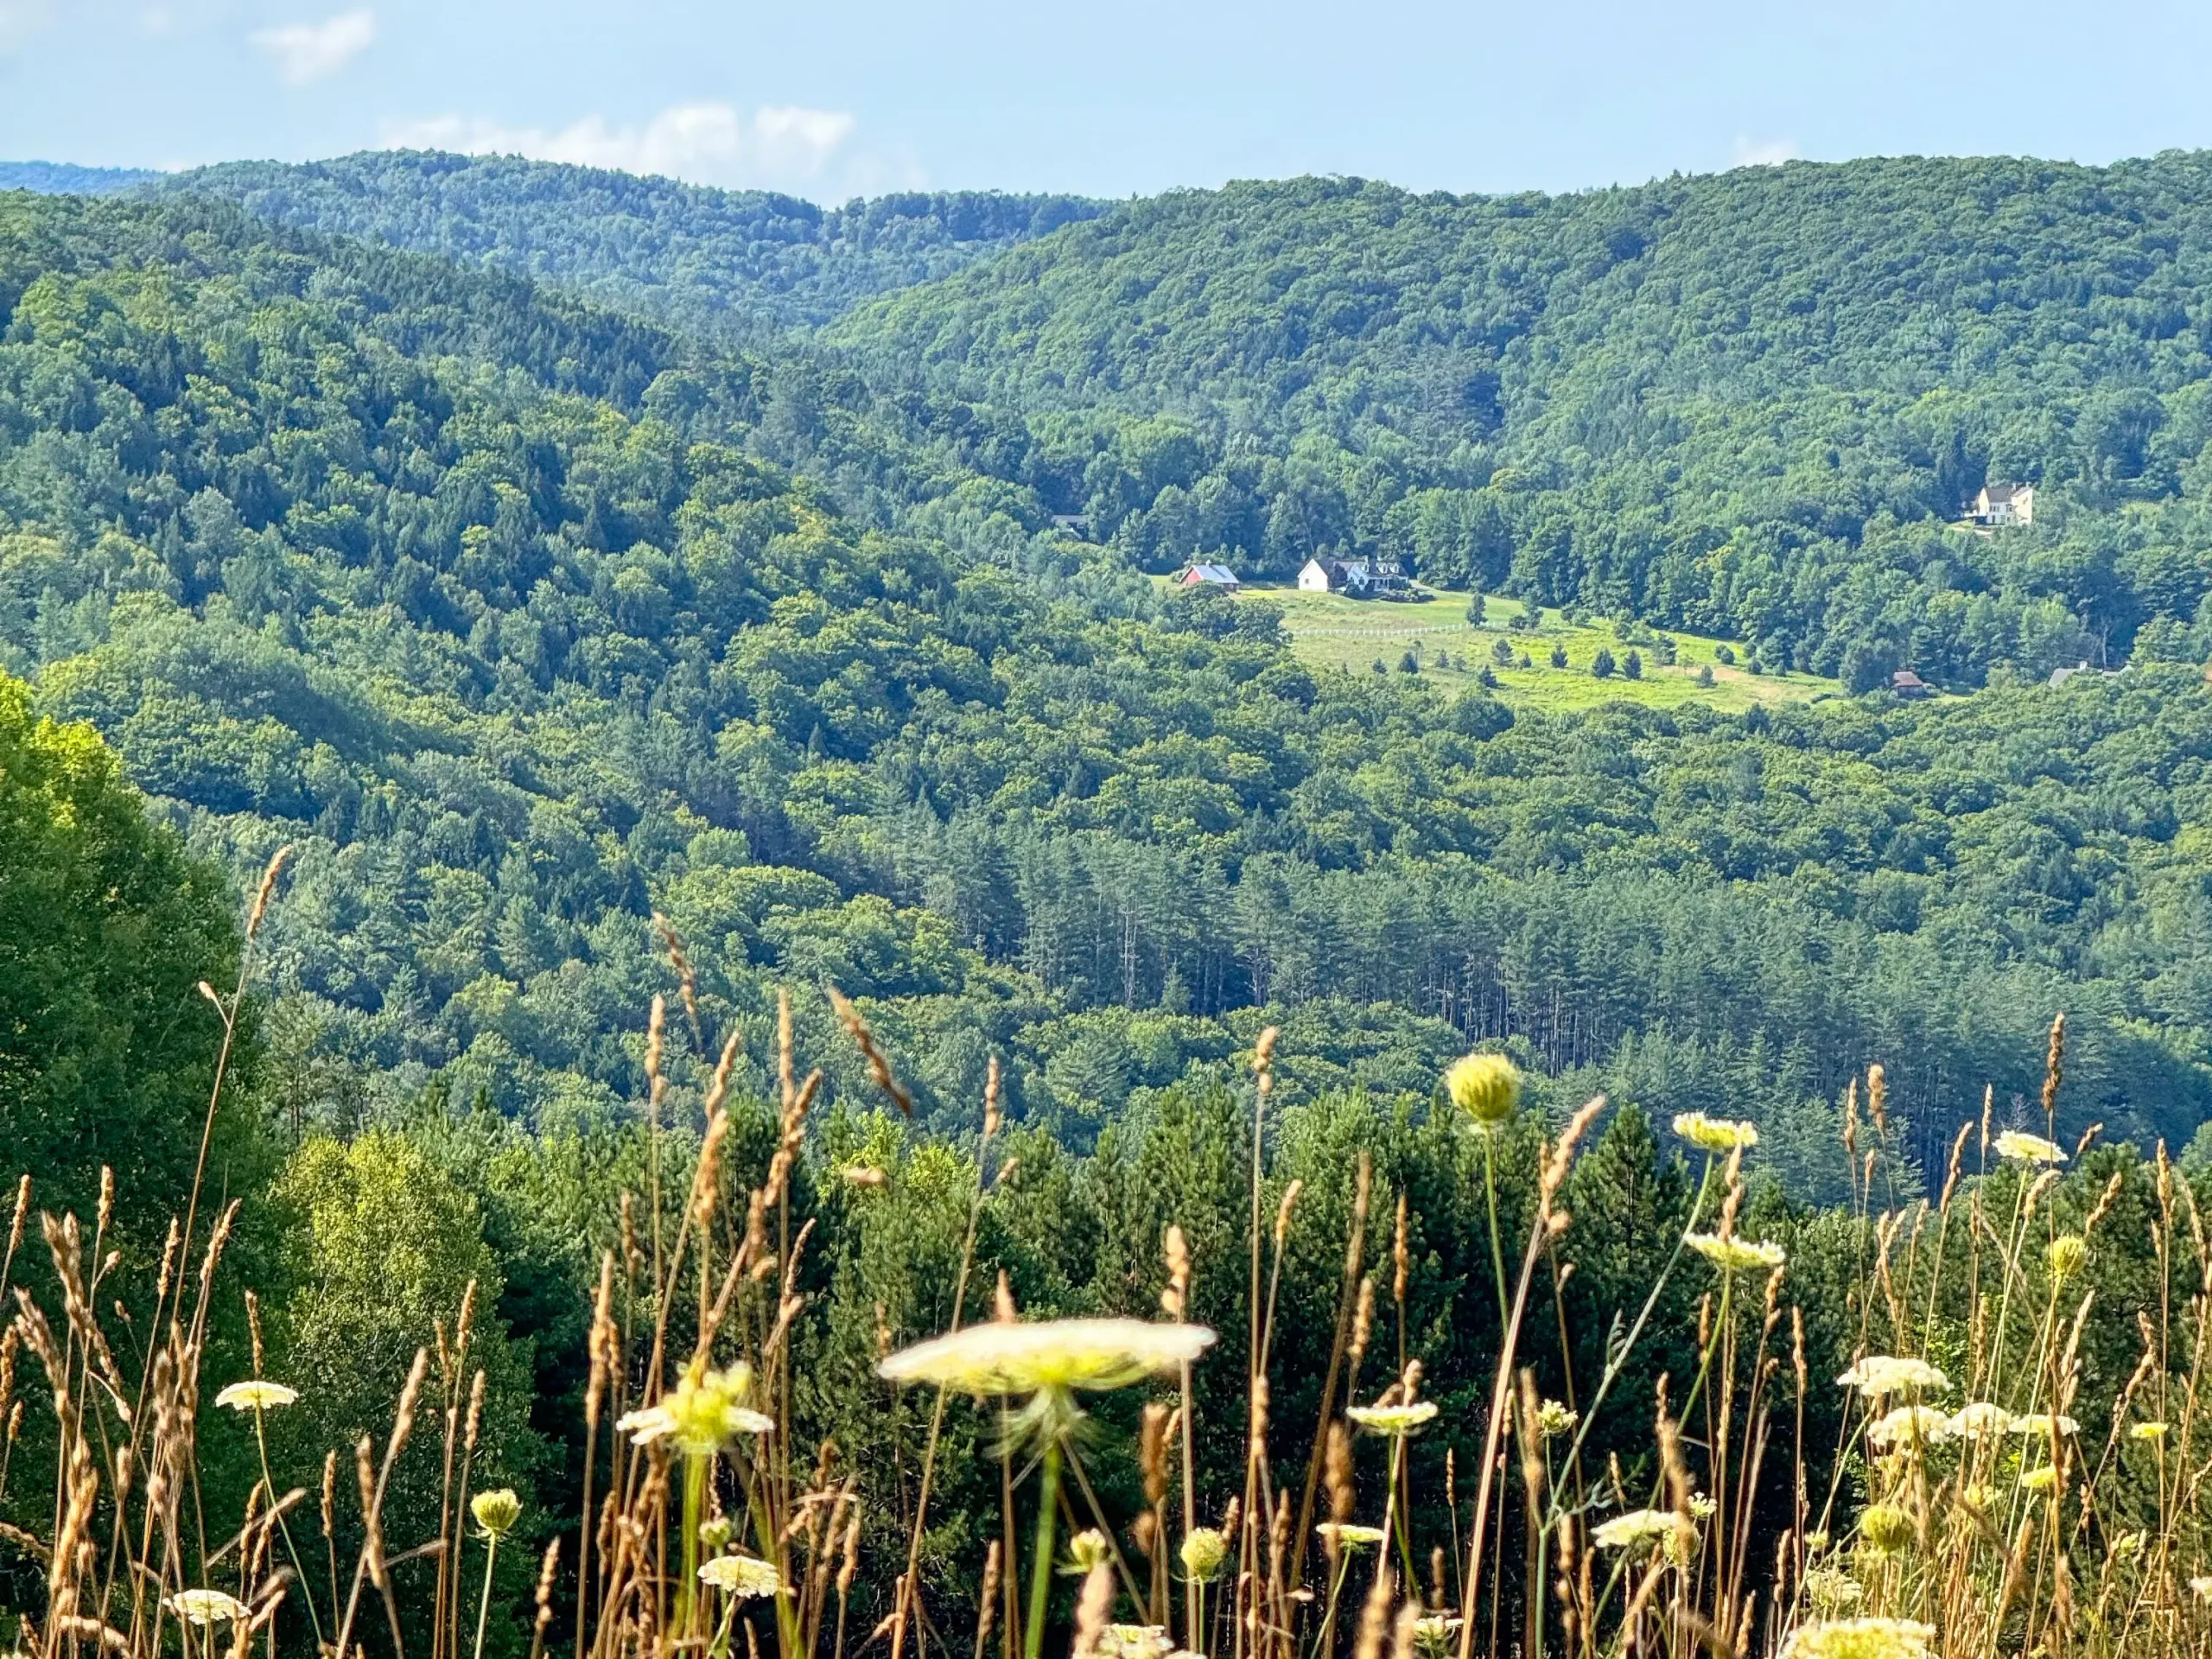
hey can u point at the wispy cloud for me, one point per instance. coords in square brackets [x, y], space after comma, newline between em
[20, 20]
[1763, 152]
[779, 146]
[308, 51]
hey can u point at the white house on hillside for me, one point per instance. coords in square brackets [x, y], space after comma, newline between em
[1362, 578]
[2004, 503]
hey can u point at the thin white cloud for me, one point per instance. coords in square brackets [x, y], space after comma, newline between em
[20, 20]
[1763, 152]
[779, 146]
[308, 51]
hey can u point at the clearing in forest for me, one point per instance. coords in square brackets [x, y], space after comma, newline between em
[1329, 631]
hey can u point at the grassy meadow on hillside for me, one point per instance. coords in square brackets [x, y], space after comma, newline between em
[1332, 630]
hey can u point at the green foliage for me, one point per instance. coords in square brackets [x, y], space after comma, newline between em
[678, 251]
[497, 611]
[1699, 401]
[58, 178]
[108, 1049]
[383, 1250]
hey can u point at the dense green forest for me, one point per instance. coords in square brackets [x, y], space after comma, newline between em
[1746, 403]
[359, 1247]
[1751, 404]
[747, 258]
[584, 642]
[489, 603]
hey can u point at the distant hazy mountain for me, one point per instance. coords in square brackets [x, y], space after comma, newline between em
[65, 179]
[674, 249]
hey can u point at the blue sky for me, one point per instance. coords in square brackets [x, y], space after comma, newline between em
[832, 98]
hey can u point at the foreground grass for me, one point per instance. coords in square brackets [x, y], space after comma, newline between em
[1329, 631]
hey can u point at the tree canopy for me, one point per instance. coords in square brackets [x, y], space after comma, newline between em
[504, 611]
[106, 927]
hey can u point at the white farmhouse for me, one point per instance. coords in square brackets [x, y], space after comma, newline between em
[2004, 503]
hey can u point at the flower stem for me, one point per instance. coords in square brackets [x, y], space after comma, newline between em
[1497, 1250]
[695, 1490]
[268, 1493]
[1040, 1568]
[484, 1606]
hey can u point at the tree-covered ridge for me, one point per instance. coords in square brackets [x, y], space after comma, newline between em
[335, 545]
[673, 249]
[65, 178]
[1744, 404]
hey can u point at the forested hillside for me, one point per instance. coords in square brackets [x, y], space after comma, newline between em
[747, 258]
[1745, 405]
[62, 178]
[561, 683]
[488, 603]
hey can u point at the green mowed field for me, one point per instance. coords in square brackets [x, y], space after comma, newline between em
[1329, 631]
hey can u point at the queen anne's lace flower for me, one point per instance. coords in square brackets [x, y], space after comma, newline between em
[1051, 1355]
[1134, 1642]
[1981, 1419]
[1880, 1375]
[1885, 1527]
[701, 1415]
[1716, 1134]
[2025, 1148]
[207, 1606]
[1486, 1087]
[1432, 1632]
[1829, 1588]
[496, 1511]
[1204, 1550]
[1861, 1638]
[1738, 1255]
[256, 1395]
[742, 1576]
[1909, 1425]
[1634, 1530]
[2042, 1425]
[1347, 1535]
[1086, 1550]
[1393, 1420]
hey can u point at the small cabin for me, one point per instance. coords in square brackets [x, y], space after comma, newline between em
[1907, 685]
